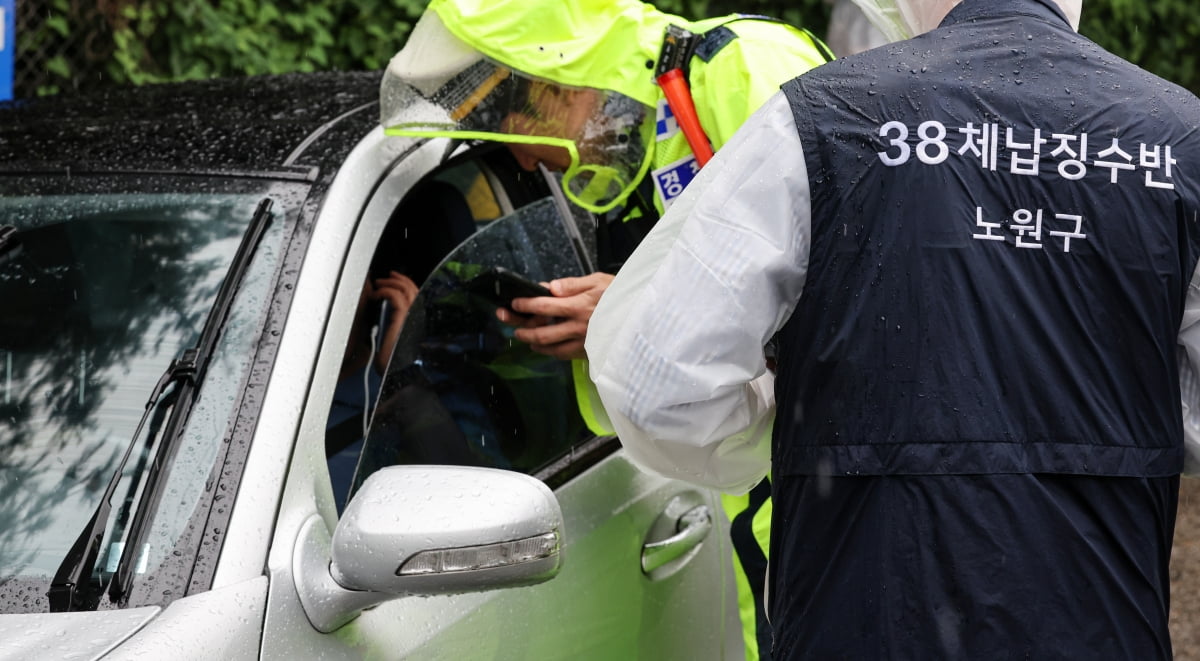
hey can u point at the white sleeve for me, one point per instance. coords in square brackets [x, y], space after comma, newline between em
[676, 342]
[1189, 374]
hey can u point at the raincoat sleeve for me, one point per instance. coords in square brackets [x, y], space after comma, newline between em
[1189, 375]
[676, 342]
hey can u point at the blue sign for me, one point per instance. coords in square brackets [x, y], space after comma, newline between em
[671, 179]
[8, 46]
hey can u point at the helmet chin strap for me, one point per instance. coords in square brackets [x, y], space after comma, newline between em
[602, 187]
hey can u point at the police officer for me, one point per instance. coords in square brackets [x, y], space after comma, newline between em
[572, 86]
[979, 249]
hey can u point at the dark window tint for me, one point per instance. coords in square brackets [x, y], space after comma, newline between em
[459, 389]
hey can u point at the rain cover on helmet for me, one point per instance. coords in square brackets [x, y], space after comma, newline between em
[438, 86]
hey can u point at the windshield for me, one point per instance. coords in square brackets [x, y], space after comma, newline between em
[101, 291]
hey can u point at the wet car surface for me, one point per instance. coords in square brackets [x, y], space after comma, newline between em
[185, 467]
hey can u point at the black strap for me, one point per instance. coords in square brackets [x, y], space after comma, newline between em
[713, 41]
[710, 43]
[621, 230]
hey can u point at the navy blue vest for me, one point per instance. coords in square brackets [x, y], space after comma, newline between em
[979, 432]
[1004, 227]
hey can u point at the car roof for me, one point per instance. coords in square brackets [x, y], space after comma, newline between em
[286, 123]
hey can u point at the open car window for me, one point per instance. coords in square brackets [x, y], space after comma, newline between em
[459, 388]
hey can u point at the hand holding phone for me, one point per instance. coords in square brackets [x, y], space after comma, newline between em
[557, 325]
[500, 286]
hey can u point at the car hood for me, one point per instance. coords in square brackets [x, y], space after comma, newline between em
[69, 636]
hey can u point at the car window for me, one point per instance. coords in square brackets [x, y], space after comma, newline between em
[459, 388]
[101, 292]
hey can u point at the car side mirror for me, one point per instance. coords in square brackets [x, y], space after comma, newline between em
[428, 530]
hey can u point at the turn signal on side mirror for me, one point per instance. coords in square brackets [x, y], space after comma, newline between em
[481, 557]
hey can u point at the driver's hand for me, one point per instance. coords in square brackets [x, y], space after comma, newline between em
[557, 325]
[400, 292]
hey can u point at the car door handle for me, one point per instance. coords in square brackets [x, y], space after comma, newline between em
[692, 528]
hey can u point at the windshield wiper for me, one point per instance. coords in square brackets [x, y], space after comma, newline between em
[72, 588]
[205, 347]
[69, 591]
[9, 242]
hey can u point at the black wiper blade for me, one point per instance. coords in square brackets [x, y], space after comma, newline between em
[187, 388]
[69, 590]
[10, 242]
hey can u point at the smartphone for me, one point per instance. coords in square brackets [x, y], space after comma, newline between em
[500, 286]
[375, 315]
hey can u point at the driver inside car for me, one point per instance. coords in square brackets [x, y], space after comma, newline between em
[382, 308]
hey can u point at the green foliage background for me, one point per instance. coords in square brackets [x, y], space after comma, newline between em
[144, 41]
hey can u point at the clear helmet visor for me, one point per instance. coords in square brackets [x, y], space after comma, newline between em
[597, 138]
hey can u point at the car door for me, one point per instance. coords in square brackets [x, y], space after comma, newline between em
[645, 560]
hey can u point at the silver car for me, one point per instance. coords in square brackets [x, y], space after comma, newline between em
[189, 470]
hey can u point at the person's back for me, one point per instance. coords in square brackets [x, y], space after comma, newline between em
[571, 86]
[1003, 235]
